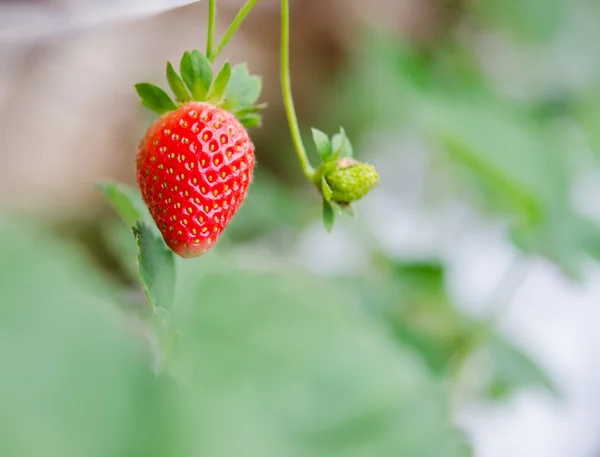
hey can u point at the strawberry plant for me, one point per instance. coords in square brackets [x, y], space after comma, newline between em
[211, 314]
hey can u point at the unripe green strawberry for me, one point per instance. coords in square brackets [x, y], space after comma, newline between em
[351, 180]
[194, 166]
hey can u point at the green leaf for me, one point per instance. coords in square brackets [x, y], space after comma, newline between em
[513, 369]
[216, 92]
[325, 189]
[154, 98]
[296, 373]
[177, 85]
[251, 120]
[128, 203]
[341, 145]
[125, 201]
[196, 73]
[322, 143]
[117, 239]
[73, 372]
[242, 90]
[328, 215]
[157, 266]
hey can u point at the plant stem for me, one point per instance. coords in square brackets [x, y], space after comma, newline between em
[286, 88]
[212, 19]
[232, 28]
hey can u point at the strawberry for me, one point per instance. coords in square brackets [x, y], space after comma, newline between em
[194, 166]
[195, 162]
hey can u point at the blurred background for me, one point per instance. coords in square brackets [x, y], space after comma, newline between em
[478, 252]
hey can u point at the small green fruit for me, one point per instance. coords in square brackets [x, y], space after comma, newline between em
[351, 180]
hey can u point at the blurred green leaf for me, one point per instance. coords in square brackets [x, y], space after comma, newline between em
[127, 202]
[587, 113]
[74, 377]
[295, 368]
[122, 246]
[526, 19]
[519, 167]
[513, 369]
[500, 148]
[360, 105]
[157, 266]
[421, 314]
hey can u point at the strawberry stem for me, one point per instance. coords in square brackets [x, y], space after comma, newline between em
[212, 19]
[286, 88]
[239, 18]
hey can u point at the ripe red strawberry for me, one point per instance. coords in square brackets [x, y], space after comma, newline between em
[194, 166]
[195, 162]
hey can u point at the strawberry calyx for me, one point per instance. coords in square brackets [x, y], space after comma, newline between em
[340, 178]
[232, 88]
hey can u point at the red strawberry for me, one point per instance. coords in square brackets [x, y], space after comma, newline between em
[195, 163]
[194, 166]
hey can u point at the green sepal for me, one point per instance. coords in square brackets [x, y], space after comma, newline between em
[243, 90]
[341, 145]
[196, 73]
[351, 211]
[337, 208]
[154, 98]
[328, 216]
[328, 166]
[176, 84]
[249, 110]
[251, 120]
[344, 208]
[325, 189]
[322, 143]
[233, 89]
[216, 93]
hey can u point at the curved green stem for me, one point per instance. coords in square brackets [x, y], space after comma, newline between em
[286, 88]
[212, 19]
[232, 28]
